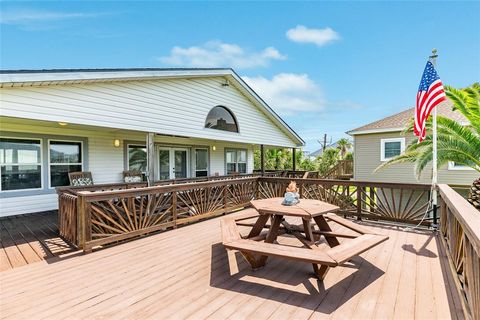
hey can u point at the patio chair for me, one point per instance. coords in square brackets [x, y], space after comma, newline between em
[131, 176]
[81, 178]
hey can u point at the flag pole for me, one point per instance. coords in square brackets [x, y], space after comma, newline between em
[433, 59]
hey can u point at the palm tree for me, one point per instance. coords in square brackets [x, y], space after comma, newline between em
[455, 142]
[343, 145]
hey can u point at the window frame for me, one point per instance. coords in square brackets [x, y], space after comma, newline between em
[454, 167]
[230, 112]
[127, 145]
[236, 160]
[382, 147]
[49, 164]
[195, 163]
[41, 165]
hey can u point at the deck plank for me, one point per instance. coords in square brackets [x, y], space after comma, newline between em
[185, 273]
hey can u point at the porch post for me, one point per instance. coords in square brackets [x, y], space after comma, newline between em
[150, 158]
[294, 166]
[262, 159]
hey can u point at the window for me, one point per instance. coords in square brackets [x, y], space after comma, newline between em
[21, 164]
[201, 162]
[137, 157]
[456, 166]
[65, 157]
[391, 148]
[220, 118]
[236, 161]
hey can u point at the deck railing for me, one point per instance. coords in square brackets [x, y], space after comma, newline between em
[97, 215]
[460, 231]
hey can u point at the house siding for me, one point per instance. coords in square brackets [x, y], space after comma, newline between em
[367, 158]
[105, 161]
[168, 106]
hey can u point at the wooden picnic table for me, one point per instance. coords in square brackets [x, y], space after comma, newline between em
[258, 245]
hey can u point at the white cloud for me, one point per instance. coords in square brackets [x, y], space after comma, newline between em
[320, 37]
[219, 54]
[26, 17]
[289, 93]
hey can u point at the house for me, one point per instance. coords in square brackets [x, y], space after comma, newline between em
[200, 122]
[379, 141]
[317, 153]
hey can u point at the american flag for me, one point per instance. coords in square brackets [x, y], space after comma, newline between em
[430, 94]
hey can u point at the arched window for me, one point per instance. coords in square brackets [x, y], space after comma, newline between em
[221, 118]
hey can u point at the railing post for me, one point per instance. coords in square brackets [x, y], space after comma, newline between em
[84, 223]
[174, 209]
[359, 203]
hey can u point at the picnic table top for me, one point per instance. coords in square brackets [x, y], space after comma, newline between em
[306, 208]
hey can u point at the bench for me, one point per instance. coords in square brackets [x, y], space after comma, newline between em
[255, 250]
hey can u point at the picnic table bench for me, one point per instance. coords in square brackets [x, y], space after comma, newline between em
[258, 245]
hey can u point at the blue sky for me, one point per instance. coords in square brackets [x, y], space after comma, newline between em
[326, 67]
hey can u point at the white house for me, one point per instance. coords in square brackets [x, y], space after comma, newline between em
[204, 122]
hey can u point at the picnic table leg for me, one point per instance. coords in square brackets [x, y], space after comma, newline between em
[258, 226]
[271, 237]
[319, 270]
[323, 225]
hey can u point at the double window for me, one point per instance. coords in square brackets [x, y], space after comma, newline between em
[22, 163]
[236, 161]
[65, 157]
[390, 148]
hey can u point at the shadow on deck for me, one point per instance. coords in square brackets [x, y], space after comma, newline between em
[30, 238]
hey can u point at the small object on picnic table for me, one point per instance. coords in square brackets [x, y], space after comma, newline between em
[291, 195]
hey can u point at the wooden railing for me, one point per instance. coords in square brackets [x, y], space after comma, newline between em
[406, 203]
[288, 173]
[460, 231]
[97, 215]
[342, 170]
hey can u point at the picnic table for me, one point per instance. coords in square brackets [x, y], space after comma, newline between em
[258, 245]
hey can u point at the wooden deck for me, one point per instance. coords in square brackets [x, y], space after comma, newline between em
[30, 238]
[186, 273]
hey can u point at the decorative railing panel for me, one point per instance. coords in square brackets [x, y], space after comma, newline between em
[460, 231]
[379, 201]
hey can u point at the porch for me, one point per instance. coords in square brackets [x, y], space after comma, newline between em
[186, 273]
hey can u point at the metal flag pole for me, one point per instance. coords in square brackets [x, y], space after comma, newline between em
[433, 59]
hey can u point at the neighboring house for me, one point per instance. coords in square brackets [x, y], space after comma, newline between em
[205, 121]
[315, 154]
[381, 140]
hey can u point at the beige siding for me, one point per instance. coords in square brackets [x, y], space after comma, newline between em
[105, 161]
[174, 107]
[367, 158]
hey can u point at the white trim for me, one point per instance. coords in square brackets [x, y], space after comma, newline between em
[453, 167]
[382, 147]
[49, 164]
[370, 131]
[26, 164]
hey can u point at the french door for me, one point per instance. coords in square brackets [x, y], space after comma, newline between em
[173, 163]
